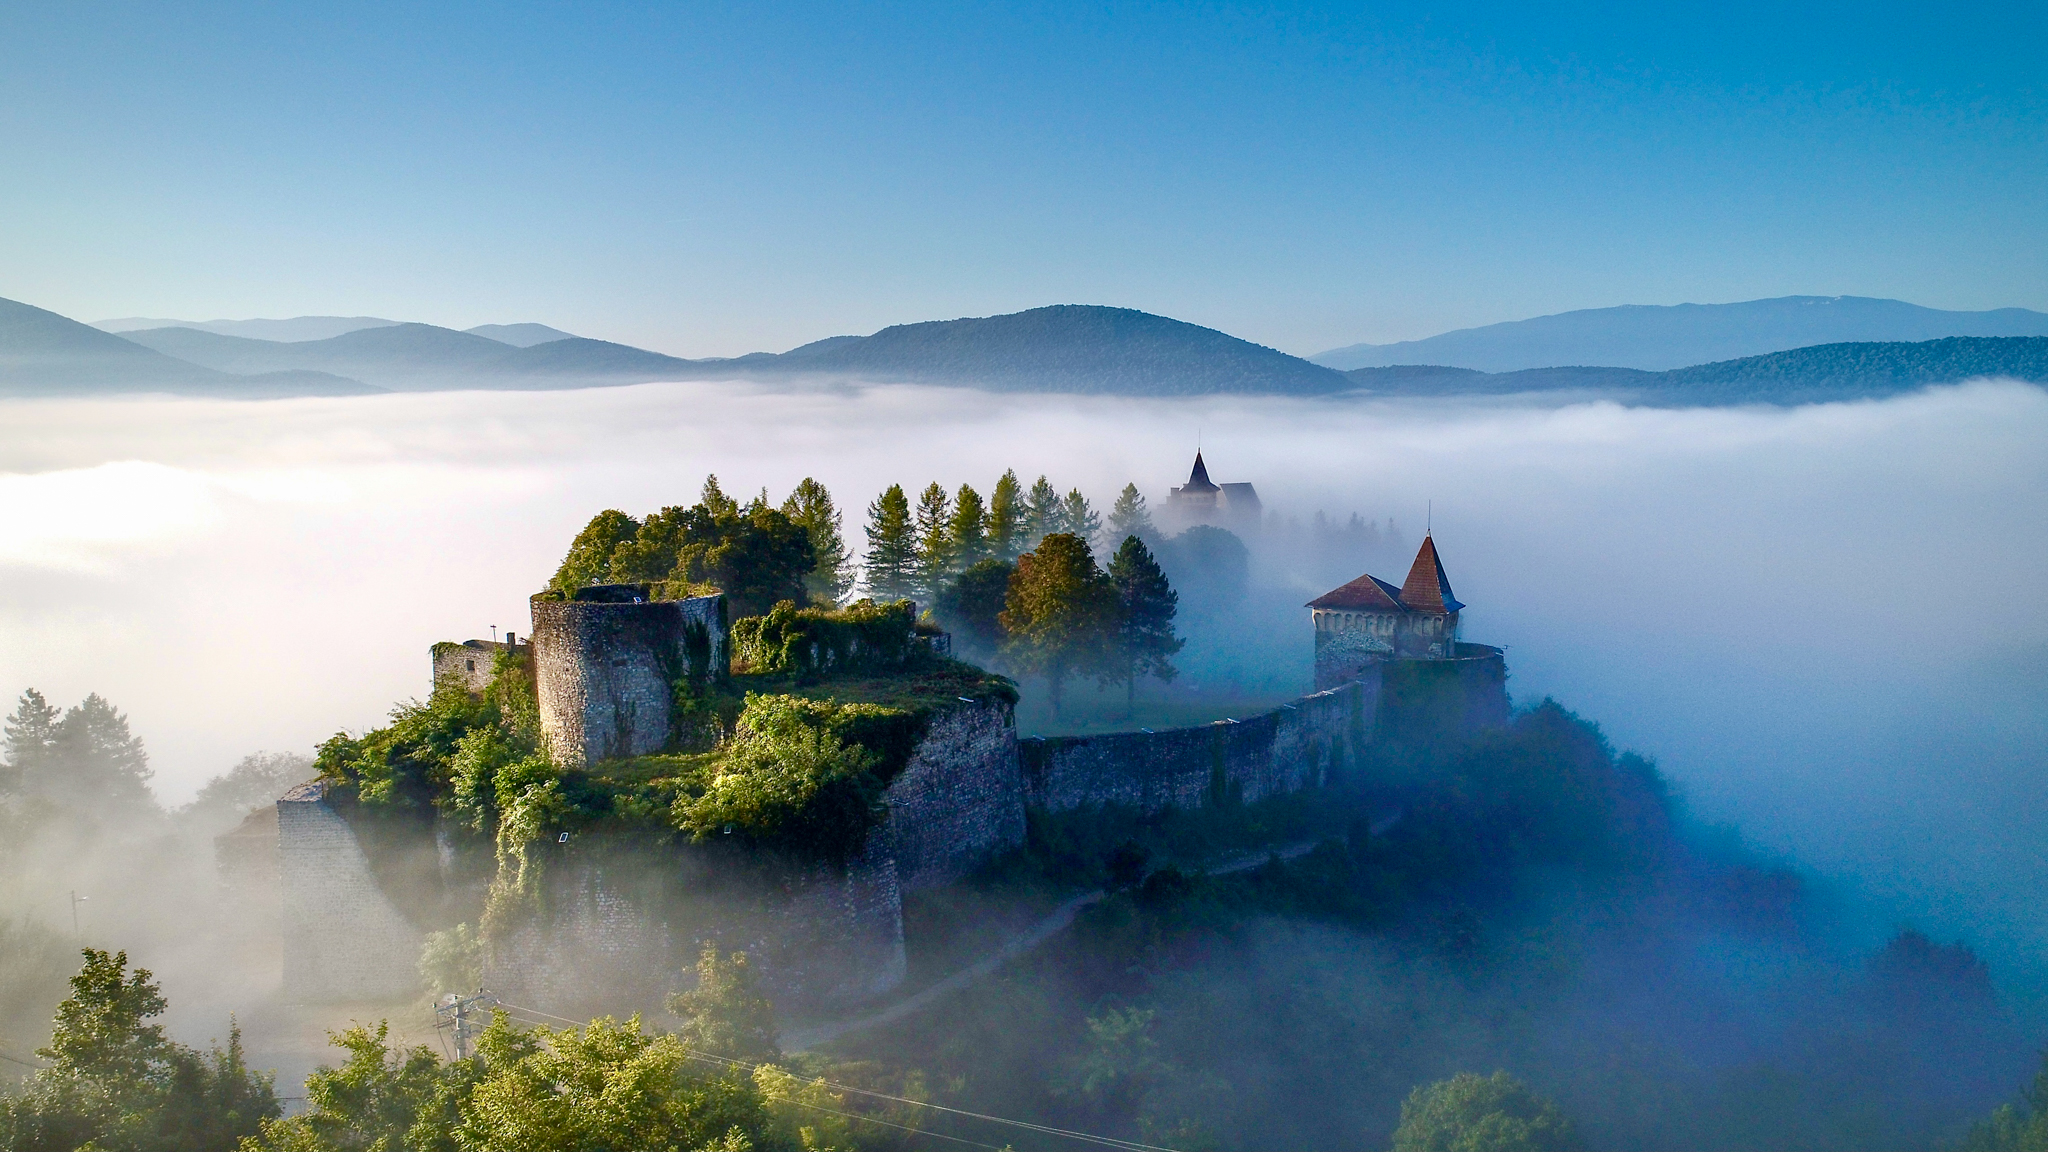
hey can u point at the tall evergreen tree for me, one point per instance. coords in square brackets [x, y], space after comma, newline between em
[96, 763]
[891, 562]
[1145, 604]
[968, 532]
[1078, 518]
[810, 506]
[716, 502]
[1059, 613]
[31, 738]
[1129, 516]
[934, 541]
[1006, 517]
[1041, 513]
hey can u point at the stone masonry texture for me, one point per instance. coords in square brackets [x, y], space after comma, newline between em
[604, 670]
[343, 938]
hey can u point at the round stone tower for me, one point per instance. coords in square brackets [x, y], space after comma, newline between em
[605, 663]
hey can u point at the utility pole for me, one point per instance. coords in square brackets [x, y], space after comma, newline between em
[76, 900]
[455, 1012]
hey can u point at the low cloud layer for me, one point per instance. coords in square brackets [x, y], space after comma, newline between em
[1826, 622]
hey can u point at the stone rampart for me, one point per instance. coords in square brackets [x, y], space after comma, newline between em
[471, 663]
[1298, 745]
[960, 800]
[1430, 701]
[617, 928]
[343, 938]
[604, 670]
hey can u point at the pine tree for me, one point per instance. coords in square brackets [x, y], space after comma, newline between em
[1041, 513]
[31, 738]
[968, 532]
[892, 548]
[810, 506]
[1129, 516]
[1006, 517]
[717, 503]
[934, 541]
[96, 763]
[1059, 613]
[1146, 604]
[1077, 518]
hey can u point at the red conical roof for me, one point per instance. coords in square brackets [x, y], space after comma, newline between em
[1427, 589]
[1368, 593]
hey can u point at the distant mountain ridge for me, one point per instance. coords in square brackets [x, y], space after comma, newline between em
[1659, 338]
[294, 329]
[1823, 373]
[1068, 348]
[44, 354]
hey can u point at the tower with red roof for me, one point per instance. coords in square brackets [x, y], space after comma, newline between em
[1371, 620]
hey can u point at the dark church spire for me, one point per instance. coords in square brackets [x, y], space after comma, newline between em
[1198, 480]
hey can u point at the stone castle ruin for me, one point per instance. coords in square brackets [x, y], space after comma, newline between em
[615, 917]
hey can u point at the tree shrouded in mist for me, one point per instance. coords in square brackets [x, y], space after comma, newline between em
[725, 1014]
[1470, 1113]
[971, 606]
[1145, 607]
[1059, 612]
[891, 565]
[1130, 517]
[86, 762]
[1078, 518]
[115, 1082]
[1041, 513]
[810, 507]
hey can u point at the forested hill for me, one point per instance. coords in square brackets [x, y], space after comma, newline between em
[1801, 376]
[1064, 348]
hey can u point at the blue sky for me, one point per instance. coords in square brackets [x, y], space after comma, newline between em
[717, 180]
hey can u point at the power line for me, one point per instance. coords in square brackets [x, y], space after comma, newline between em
[20, 1061]
[1108, 1141]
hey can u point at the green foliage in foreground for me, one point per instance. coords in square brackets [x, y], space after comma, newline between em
[115, 1083]
[605, 1086]
[2021, 1127]
[1470, 1113]
[809, 643]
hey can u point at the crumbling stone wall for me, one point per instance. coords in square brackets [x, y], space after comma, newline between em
[960, 800]
[604, 670]
[1296, 746]
[469, 663]
[617, 929]
[343, 938]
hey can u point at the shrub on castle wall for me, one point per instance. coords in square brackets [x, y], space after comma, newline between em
[812, 642]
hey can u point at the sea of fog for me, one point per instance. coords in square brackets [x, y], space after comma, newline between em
[1828, 624]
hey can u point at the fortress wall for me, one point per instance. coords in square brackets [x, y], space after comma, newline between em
[960, 800]
[616, 930]
[603, 670]
[1433, 700]
[469, 663]
[1293, 747]
[343, 939]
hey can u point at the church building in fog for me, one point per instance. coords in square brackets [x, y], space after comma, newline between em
[1200, 501]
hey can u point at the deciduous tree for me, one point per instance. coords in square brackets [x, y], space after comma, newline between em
[1059, 612]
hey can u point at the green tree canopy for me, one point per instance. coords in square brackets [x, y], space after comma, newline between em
[971, 606]
[726, 1014]
[1471, 1113]
[1129, 516]
[967, 535]
[1145, 607]
[1059, 612]
[934, 540]
[590, 555]
[891, 565]
[31, 739]
[1041, 513]
[1077, 517]
[810, 507]
[116, 1084]
[792, 779]
[1006, 517]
